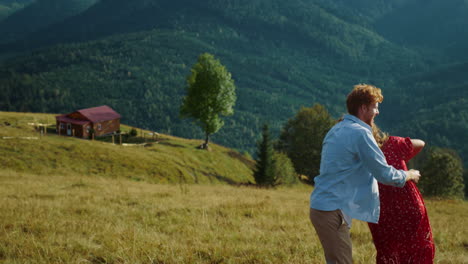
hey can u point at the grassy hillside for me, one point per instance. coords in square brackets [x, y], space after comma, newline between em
[168, 160]
[79, 218]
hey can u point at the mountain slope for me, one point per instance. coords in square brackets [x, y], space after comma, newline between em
[435, 28]
[134, 56]
[38, 16]
[434, 107]
[303, 22]
[363, 12]
[8, 7]
[440, 26]
[282, 55]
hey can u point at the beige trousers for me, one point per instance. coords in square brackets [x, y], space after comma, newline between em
[333, 233]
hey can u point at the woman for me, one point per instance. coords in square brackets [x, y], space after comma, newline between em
[403, 234]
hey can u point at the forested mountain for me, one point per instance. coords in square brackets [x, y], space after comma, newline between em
[10, 2]
[438, 26]
[8, 7]
[364, 12]
[135, 55]
[38, 16]
[435, 107]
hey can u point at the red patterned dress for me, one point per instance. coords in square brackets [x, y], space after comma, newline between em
[403, 234]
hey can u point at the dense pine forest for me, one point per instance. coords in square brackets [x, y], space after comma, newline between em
[135, 56]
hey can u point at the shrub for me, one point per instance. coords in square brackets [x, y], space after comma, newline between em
[283, 169]
[133, 132]
[442, 174]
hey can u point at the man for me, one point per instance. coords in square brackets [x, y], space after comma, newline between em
[350, 167]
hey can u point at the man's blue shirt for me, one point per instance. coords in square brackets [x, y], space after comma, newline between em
[350, 167]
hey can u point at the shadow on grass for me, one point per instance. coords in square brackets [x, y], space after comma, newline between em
[227, 180]
[250, 163]
[171, 144]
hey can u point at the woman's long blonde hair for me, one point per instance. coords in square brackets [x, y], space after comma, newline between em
[379, 136]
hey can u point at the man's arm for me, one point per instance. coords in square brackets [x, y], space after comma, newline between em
[374, 160]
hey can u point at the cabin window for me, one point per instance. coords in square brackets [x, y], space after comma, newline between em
[99, 126]
[62, 126]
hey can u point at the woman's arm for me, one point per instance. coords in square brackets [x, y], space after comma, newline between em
[418, 145]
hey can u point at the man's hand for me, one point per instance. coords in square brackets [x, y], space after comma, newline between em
[413, 175]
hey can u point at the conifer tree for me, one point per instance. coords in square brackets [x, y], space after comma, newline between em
[264, 173]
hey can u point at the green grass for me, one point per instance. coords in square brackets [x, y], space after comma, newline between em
[97, 207]
[168, 160]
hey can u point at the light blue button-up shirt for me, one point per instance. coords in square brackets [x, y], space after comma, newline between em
[350, 167]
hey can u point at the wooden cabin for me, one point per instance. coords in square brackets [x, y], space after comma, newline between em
[103, 120]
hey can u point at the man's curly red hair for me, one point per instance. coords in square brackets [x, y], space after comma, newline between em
[362, 94]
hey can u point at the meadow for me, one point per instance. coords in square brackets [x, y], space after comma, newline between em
[89, 219]
[66, 200]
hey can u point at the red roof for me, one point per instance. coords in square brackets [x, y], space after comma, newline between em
[65, 119]
[100, 113]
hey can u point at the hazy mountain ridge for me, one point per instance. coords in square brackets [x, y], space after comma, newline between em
[39, 15]
[8, 7]
[302, 20]
[438, 26]
[9, 2]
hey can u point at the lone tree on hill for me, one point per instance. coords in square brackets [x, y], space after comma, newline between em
[210, 93]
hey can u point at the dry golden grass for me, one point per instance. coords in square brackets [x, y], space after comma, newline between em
[98, 219]
[65, 200]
